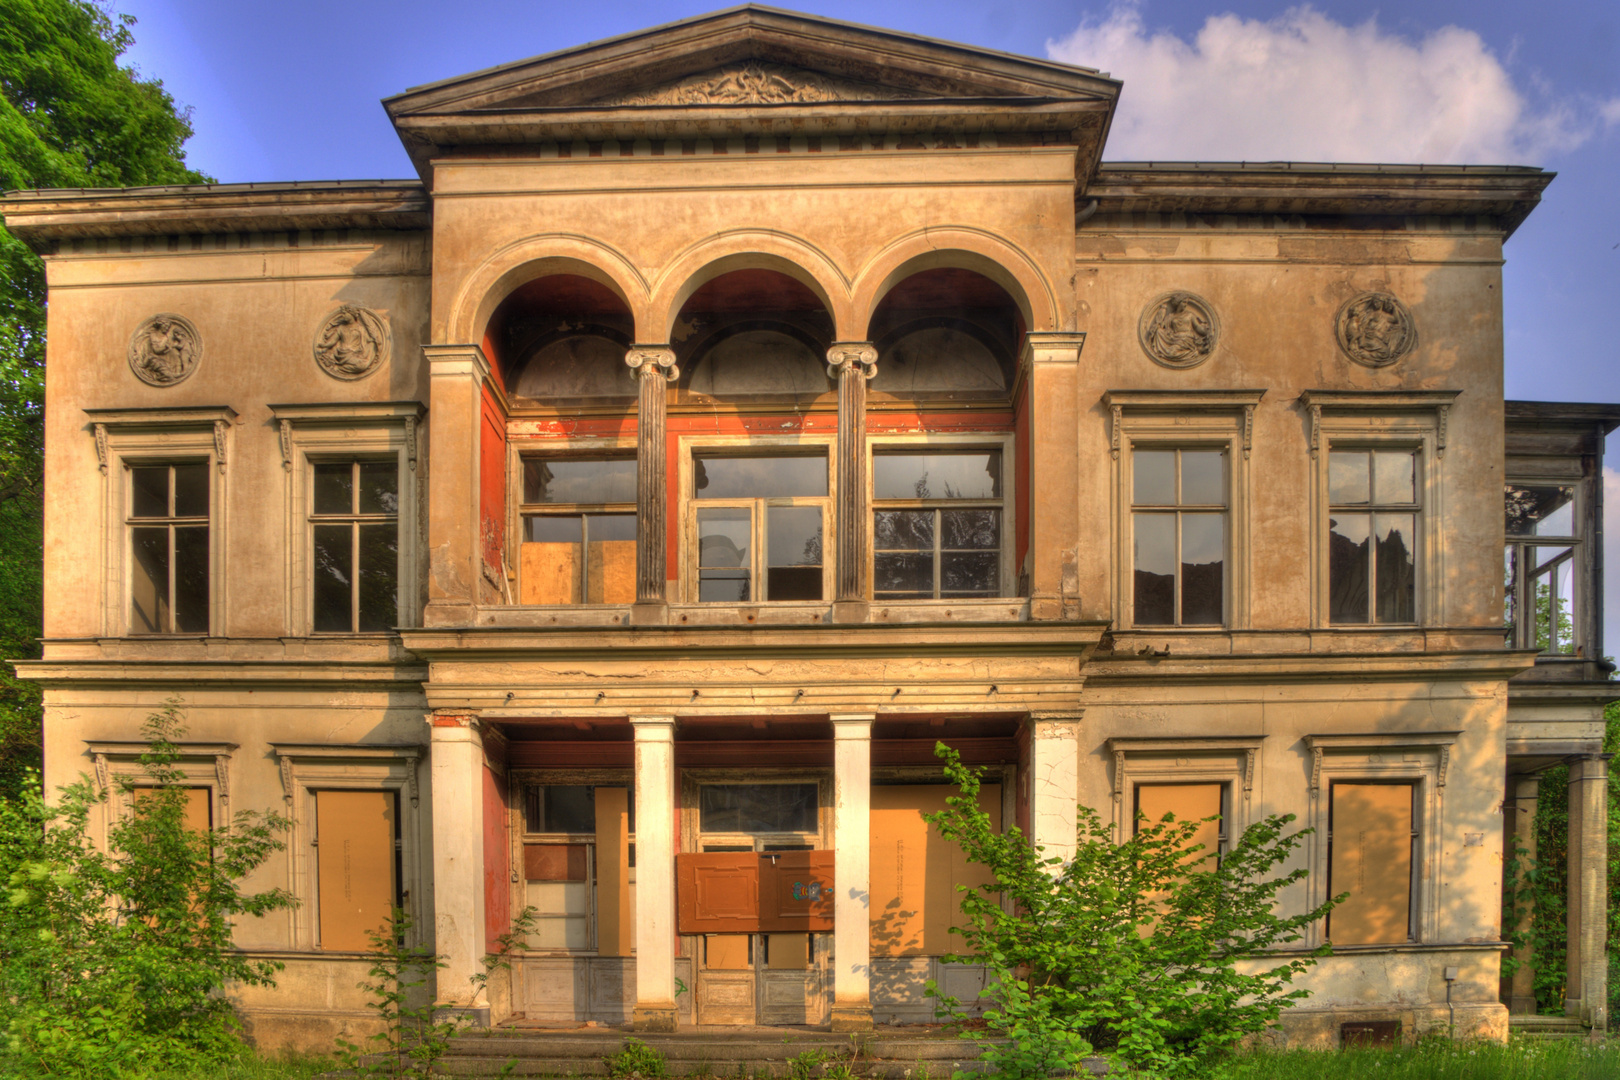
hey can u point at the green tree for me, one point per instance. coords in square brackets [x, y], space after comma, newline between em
[70, 117]
[112, 961]
[1124, 947]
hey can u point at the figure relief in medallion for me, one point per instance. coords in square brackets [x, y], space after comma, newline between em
[351, 343]
[164, 350]
[1376, 329]
[1179, 330]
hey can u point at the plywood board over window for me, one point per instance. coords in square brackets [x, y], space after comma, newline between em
[199, 814]
[1372, 840]
[916, 871]
[357, 889]
[1187, 802]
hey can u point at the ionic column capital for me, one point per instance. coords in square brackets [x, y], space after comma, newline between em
[653, 360]
[852, 356]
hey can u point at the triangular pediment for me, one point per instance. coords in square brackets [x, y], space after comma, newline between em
[749, 66]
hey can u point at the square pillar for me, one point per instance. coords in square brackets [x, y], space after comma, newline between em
[1054, 781]
[655, 873]
[456, 375]
[852, 872]
[1523, 792]
[457, 759]
[1051, 374]
[1586, 993]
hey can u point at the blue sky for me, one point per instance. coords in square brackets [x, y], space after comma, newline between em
[290, 91]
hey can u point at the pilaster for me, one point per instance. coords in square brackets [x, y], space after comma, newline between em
[1050, 370]
[457, 760]
[655, 873]
[1054, 781]
[852, 872]
[655, 369]
[456, 375]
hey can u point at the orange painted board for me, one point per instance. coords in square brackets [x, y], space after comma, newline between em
[915, 871]
[615, 932]
[717, 892]
[788, 952]
[199, 814]
[1188, 802]
[726, 952]
[796, 891]
[610, 572]
[1372, 861]
[554, 862]
[354, 865]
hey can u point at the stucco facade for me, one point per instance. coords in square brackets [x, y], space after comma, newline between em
[796, 241]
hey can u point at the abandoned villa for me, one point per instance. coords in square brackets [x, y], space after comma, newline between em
[613, 518]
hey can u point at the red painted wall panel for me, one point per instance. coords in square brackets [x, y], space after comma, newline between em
[497, 861]
[492, 485]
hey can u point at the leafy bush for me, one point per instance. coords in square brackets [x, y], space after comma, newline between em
[1123, 947]
[112, 961]
[636, 1059]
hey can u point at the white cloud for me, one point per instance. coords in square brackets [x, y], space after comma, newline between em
[1304, 87]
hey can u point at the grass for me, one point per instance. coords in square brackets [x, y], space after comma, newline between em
[257, 1068]
[1438, 1060]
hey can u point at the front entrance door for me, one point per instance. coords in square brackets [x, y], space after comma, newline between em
[760, 978]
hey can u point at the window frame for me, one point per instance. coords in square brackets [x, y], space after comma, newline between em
[1421, 758]
[349, 431]
[1379, 419]
[1415, 872]
[1231, 761]
[127, 438]
[518, 783]
[353, 521]
[690, 447]
[1521, 634]
[1350, 444]
[522, 450]
[1183, 420]
[944, 443]
[169, 522]
[1176, 510]
[308, 768]
[200, 765]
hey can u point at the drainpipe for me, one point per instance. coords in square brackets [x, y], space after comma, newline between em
[1091, 208]
[1451, 978]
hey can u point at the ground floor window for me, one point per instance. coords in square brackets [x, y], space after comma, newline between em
[579, 867]
[1373, 843]
[356, 865]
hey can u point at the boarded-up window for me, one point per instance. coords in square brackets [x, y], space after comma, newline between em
[579, 867]
[355, 865]
[199, 812]
[1372, 839]
[557, 885]
[579, 531]
[1187, 802]
[915, 871]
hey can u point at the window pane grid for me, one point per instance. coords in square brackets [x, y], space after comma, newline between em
[354, 546]
[1178, 522]
[1374, 510]
[764, 547]
[577, 544]
[937, 524]
[168, 527]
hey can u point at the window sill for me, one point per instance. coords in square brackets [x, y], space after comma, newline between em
[994, 610]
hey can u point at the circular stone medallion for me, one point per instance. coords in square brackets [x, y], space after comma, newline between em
[1375, 329]
[1178, 330]
[164, 350]
[352, 342]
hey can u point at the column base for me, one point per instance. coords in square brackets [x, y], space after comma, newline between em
[851, 1018]
[649, 614]
[475, 1016]
[851, 611]
[657, 1019]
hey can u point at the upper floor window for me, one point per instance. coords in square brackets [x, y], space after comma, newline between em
[1374, 507]
[354, 529]
[937, 524]
[1543, 557]
[1179, 536]
[579, 530]
[761, 524]
[168, 526]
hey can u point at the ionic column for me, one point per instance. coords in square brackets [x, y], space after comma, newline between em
[655, 872]
[456, 375]
[852, 872]
[458, 862]
[1523, 792]
[853, 364]
[655, 370]
[1586, 992]
[1054, 781]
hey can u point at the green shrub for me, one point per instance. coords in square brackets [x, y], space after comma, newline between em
[1122, 948]
[636, 1059]
[112, 961]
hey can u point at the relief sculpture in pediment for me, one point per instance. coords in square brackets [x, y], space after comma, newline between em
[755, 83]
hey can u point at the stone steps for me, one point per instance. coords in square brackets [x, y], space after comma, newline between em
[1547, 1028]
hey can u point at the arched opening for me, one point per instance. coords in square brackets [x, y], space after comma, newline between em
[562, 338]
[946, 334]
[752, 334]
